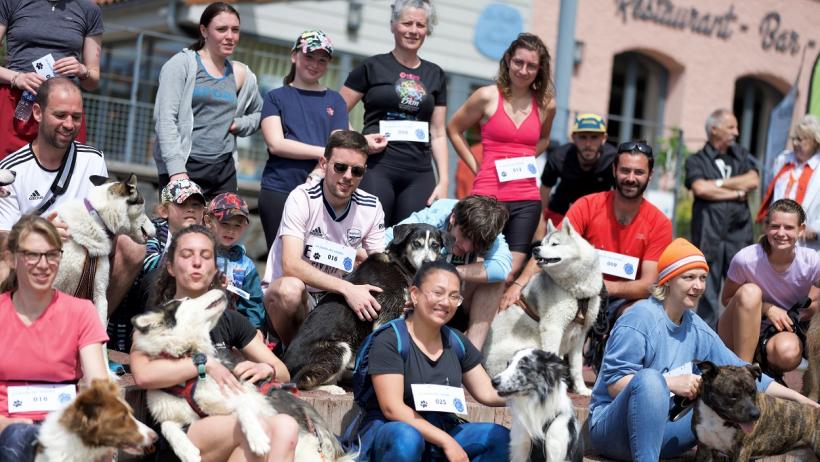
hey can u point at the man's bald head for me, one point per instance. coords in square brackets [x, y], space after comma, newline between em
[55, 84]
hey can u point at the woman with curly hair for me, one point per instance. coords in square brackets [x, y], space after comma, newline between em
[515, 115]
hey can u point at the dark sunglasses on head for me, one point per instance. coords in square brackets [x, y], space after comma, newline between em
[632, 146]
[355, 170]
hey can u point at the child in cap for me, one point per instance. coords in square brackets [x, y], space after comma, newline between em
[228, 218]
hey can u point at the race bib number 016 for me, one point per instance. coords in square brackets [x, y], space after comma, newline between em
[331, 254]
[439, 398]
[516, 168]
[40, 398]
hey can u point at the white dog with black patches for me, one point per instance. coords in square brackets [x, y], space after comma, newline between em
[111, 209]
[544, 426]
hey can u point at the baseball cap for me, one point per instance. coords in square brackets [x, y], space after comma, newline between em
[589, 123]
[312, 40]
[179, 190]
[227, 205]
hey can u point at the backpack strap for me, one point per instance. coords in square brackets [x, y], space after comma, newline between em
[455, 342]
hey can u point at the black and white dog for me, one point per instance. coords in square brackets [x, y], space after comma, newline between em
[327, 341]
[544, 426]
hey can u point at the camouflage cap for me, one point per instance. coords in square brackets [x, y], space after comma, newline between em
[227, 205]
[179, 190]
[312, 40]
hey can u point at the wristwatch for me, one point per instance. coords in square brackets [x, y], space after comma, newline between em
[199, 361]
[719, 183]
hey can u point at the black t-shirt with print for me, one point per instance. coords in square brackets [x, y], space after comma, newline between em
[233, 330]
[575, 182]
[392, 91]
[384, 358]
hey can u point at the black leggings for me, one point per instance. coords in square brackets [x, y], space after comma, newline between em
[520, 228]
[401, 192]
[271, 206]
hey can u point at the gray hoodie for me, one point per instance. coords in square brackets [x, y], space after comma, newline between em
[174, 115]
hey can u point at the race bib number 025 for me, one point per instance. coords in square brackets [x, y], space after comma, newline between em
[439, 398]
[329, 253]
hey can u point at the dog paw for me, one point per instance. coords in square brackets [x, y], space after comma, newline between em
[258, 442]
[190, 455]
[583, 390]
[332, 389]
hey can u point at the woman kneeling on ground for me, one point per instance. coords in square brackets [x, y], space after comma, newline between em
[393, 429]
[190, 270]
[48, 337]
[765, 280]
[649, 354]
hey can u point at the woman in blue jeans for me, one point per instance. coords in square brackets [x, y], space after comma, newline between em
[393, 429]
[649, 355]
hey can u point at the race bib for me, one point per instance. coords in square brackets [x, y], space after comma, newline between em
[40, 398]
[618, 264]
[236, 290]
[329, 253]
[515, 168]
[685, 369]
[405, 130]
[439, 398]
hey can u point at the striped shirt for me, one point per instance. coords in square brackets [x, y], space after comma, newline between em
[33, 181]
[308, 215]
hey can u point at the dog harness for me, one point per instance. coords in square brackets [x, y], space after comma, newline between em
[580, 316]
[85, 286]
[187, 390]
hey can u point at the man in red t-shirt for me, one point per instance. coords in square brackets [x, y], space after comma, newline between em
[629, 232]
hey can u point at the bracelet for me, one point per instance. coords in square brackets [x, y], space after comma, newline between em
[13, 80]
[518, 284]
[86, 75]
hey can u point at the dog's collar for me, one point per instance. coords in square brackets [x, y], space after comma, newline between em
[97, 218]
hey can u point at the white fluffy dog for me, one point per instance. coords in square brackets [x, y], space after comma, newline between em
[569, 279]
[111, 209]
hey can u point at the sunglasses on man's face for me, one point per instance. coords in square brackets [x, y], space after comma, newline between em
[355, 170]
[632, 146]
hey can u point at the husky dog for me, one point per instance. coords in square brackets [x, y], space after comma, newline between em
[327, 341]
[181, 328]
[543, 421]
[111, 209]
[97, 421]
[6, 178]
[557, 307]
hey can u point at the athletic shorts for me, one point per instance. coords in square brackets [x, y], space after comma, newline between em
[521, 226]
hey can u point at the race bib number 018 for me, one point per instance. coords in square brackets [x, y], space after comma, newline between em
[516, 168]
[331, 254]
[439, 398]
[40, 398]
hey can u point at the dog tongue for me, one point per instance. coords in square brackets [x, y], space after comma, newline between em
[747, 427]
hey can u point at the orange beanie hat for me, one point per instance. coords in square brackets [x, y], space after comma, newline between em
[678, 257]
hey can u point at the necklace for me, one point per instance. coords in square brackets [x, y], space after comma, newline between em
[54, 4]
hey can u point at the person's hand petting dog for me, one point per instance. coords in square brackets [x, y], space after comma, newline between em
[684, 385]
[252, 371]
[222, 376]
[780, 319]
[62, 227]
[510, 297]
[362, 302]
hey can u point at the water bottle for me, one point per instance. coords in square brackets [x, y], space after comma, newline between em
[23, 110]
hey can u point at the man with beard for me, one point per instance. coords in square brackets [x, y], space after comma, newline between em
[627, 230]
[584, 166]
[721, 175]
[325, 226]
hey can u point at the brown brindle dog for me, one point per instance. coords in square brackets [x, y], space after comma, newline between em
[732, 418]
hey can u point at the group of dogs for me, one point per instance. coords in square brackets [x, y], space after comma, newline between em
[533, 353]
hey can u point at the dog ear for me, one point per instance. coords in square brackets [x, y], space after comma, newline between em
[143, 322]
[401, 233]
[566, 226]
[132, 180]
[707, 369]
[550, 226]
[755, 370]
[447, 240]
[98, 180]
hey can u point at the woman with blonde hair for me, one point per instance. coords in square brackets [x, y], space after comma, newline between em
[49, 338]
[515, 115]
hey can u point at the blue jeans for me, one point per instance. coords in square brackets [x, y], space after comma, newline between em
[648, 434]
[400, 442]
[17, 442]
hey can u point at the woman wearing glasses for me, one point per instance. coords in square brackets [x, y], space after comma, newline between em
[48, 337]
[393, 429]
[515, 115]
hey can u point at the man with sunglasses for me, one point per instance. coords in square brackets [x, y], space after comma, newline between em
[721, 175]
[325, 227]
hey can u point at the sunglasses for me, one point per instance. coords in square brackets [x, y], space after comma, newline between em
[632, 146]
[355, 170]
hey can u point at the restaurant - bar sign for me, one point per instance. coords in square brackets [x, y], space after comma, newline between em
[720, 24]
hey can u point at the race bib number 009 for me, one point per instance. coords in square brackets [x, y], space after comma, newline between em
[618, 264]
[516, 168]
[439, 398]
[331, 254]
[405, 130]
[40, 398]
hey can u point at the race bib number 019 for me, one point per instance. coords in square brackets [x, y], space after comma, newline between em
[439, 398]
[331, 254]
[40, 398]
[516, 168]
[405, 130]
[618, 264]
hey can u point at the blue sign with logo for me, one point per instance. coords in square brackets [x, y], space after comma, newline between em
[629, 269]
[497, 26]
[531, 168]
[348, 264]
[458, 405]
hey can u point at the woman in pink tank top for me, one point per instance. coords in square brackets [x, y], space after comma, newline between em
[515, 115]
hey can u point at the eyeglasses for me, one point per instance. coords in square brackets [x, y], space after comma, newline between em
[632, 146]
[355, 170]
[32, 258]
[455, 300]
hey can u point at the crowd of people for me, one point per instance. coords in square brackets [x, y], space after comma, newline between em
[330, 197]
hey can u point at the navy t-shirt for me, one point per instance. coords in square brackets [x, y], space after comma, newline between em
[308, 117]
[392, 91]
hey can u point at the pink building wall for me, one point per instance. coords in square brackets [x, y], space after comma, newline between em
[702, 69]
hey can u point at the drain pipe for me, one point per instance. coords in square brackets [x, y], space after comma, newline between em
[173, 18]
[564, 52]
